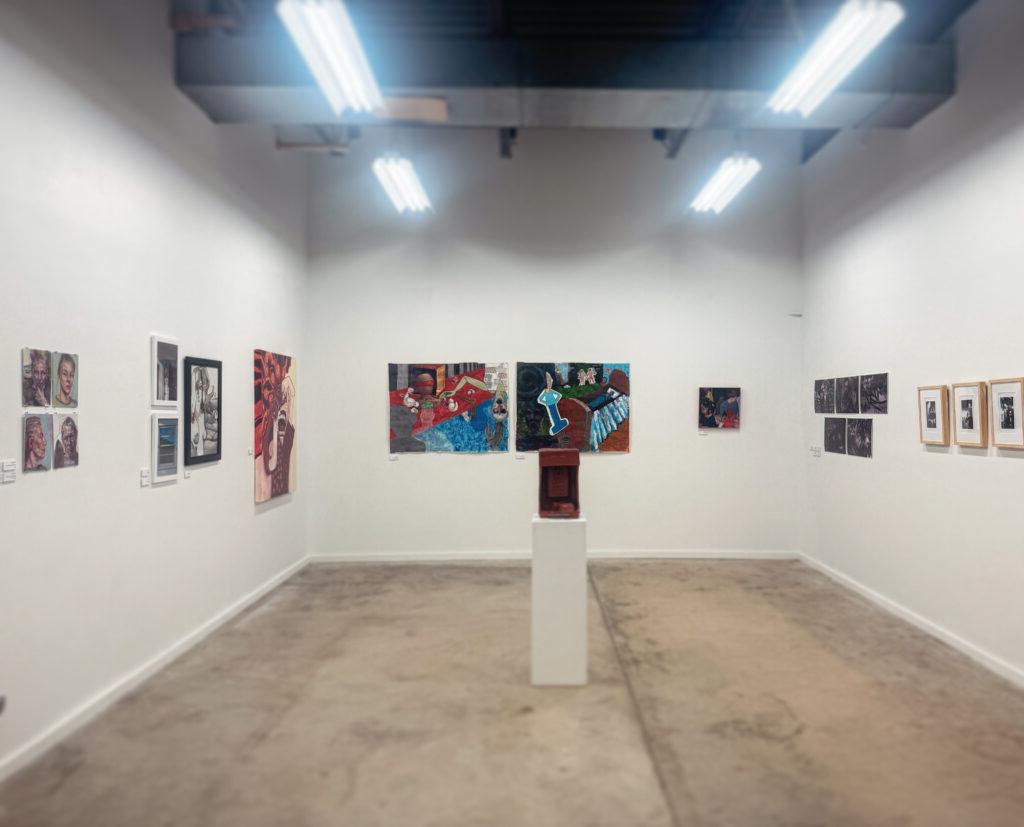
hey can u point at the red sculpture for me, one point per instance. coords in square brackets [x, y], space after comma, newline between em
[559, 483]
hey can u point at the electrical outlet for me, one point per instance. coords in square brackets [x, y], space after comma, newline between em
[520, 456]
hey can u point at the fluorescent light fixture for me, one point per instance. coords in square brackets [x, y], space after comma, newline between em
[855, 31]
[732, 176]
[328, 43]
[401, 183]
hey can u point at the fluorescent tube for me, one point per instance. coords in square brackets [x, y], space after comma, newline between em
[732, 176]
[852, 35]
[327, 41]
[402, 185]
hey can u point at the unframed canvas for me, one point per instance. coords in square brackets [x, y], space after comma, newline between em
[825, 396]
[581, 405]
[64, 372]
[859, 437]
[65, 440]
[35, 378]
[848, 395]
[37, 445]
[448, 407]
[203, 410]
[718, 408]
[874, 393]
[275, 418]
[835, 435]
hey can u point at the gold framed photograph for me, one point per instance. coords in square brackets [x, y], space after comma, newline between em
[1007, 425]
[970, 414]
[933, 414]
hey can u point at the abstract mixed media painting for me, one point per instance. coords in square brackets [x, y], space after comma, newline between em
[38, 443]
[825, 396]
[847, 395]
[718, 408]
[35, 378]
[858, 437]
[835, 435]
[65, 380]
[581, 405]
[274, 424]
[202, 410]
[448, 407]
[874, 393]
[65, 440]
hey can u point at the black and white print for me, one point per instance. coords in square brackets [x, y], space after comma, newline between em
[874, 393]
[858, 437]
[825, 396]
[835, 435]
[847, 395]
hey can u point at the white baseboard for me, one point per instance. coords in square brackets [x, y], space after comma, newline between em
[93, 706]
[992, 662]
[524, 554]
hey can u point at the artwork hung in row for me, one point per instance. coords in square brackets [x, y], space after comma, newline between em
[718, 408]
[848, 395]
[35, 378]
[65, 440]
[1007, 414]
[202, 410]
[460, 407]
[970, 414]
[858, 437]
[166, 433]
[933, 414]
[825, 396]
[874, 393]
[38, 442]
[835, 435]
[581, 405]
[559, 483]
[275, 424]
[164, 372]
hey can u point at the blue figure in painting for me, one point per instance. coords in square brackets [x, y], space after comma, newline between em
[550, 398]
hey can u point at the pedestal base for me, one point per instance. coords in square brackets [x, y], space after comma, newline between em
[559, 611]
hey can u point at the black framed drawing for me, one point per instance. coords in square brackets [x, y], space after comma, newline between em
[202, 394]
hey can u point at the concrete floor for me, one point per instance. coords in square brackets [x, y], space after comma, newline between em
[722, 693]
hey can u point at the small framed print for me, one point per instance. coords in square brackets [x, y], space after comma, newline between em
[163, 371]
[164, 460]
[1007, 427]
[970, 414]
[933, 414]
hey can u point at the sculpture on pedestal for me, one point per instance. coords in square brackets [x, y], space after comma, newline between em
[559, 483]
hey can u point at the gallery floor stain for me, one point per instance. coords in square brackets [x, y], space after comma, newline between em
[722, 693]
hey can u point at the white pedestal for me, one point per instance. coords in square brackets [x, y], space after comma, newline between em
[559, 586]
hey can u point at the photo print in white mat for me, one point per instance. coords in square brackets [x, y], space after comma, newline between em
[1007, 424]
[933, 414]
[970, 414]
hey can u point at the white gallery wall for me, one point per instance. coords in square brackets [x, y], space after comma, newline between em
[580, 248]
[124, 212]
[915, 265]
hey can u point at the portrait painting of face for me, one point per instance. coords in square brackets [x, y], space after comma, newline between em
[35, 378]
[581, 405]
[65, 441]
[718, 408]
[38, 441]
[202, 410]
[65, 380]
[275, 417]
[459, 407]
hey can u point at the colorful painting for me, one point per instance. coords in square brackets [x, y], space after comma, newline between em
[274, 424]
[65, 441]
[35, 378]
[65, 380]
[581, 405]
[38, 443]
[718, 408]
[436, 407]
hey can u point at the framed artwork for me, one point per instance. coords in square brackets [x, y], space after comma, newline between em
[874, 393]
[1007, 424]
[581, 405]
[163, 371]
[460, 407]
[933, 414]
[65, 441]
[718, 408]
[202, 399]
[275, 424]
[848, 395]
[65, 379]
[858, 437]
[835, 435]
[35, 378]
[970, 414]
[825, 396]
[37, 453]
[166, 434]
